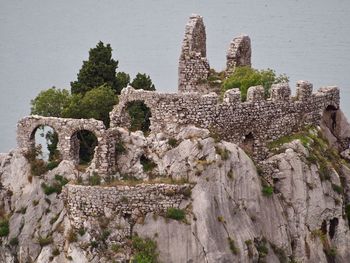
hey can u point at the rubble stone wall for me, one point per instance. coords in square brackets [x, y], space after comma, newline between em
[68, 144]
[193, 65]
[265, 119]
[84, 202]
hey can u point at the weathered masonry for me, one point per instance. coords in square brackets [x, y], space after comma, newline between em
[251, 123]
[256, 119]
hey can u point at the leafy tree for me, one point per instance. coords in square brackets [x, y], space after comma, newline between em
[96, 103]
[245, 77]
[51, 102]
[142, 81]
[99, 70]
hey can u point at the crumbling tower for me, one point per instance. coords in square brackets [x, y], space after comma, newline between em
[193, 64]
[239, 53]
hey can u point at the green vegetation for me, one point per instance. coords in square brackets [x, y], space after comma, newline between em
[337, 188]
[320, 153]
[56, 186]
[4, 227]
[95, 179]
[93, 95]
[347, 212]
[44, 241]
[261, 247]
[144, 250]
[50, 103]
[98, 70]
[232, 245]
[267, 190]
[224, 153]
[72, 236]
[173, 142]
[245, 77]
[148, 165]
[14, 241]
[280, 253]
[142, 81]
[37, 166]
[175, 213]
[139, 115]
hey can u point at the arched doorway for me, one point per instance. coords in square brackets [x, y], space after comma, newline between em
[83, 144]
[329, 118]
[248, 143]
[138, 116]
[45, 140]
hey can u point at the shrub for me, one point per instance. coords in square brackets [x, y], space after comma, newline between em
[62, 180]
[37, 166]
[14, 241]
[148, 165]
[173, 142]
[245, 77]
[95, 179]
[232, 245]
[267, 191]
[337, 188]
[44, 241]
[51, 165]
[50, 189]
[175, 213]
[55, 252]
[144, 250]
[120, 148]
[72, 236]
[224, 153]
[4, 227]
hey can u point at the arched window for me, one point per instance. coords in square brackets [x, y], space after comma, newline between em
[83, 144]
[45, 140]
[138, 116]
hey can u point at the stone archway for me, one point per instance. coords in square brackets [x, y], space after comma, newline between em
[49, 138]
[329, 118]
[248, 143]
[83, 146]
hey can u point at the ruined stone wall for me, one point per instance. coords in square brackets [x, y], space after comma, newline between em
[231, 119]
[84, 202]
[193, 65]
[239, 53]
[68, 144]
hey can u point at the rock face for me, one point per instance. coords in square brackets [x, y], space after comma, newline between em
[228, 216]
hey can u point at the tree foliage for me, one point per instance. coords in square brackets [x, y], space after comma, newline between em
[93, 95]
[96, 103]
[99, 69]
[142, 81]
[139, 115]
[245, 77]
[50, 103]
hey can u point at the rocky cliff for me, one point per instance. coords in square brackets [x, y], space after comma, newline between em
[191, 198]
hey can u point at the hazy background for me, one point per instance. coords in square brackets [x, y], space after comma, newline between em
[43, 43]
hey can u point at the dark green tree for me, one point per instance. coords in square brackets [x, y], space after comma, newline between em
[142, 81]
[123, 79]
[99, 69]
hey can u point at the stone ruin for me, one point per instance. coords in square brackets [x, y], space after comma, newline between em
[251, 124]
